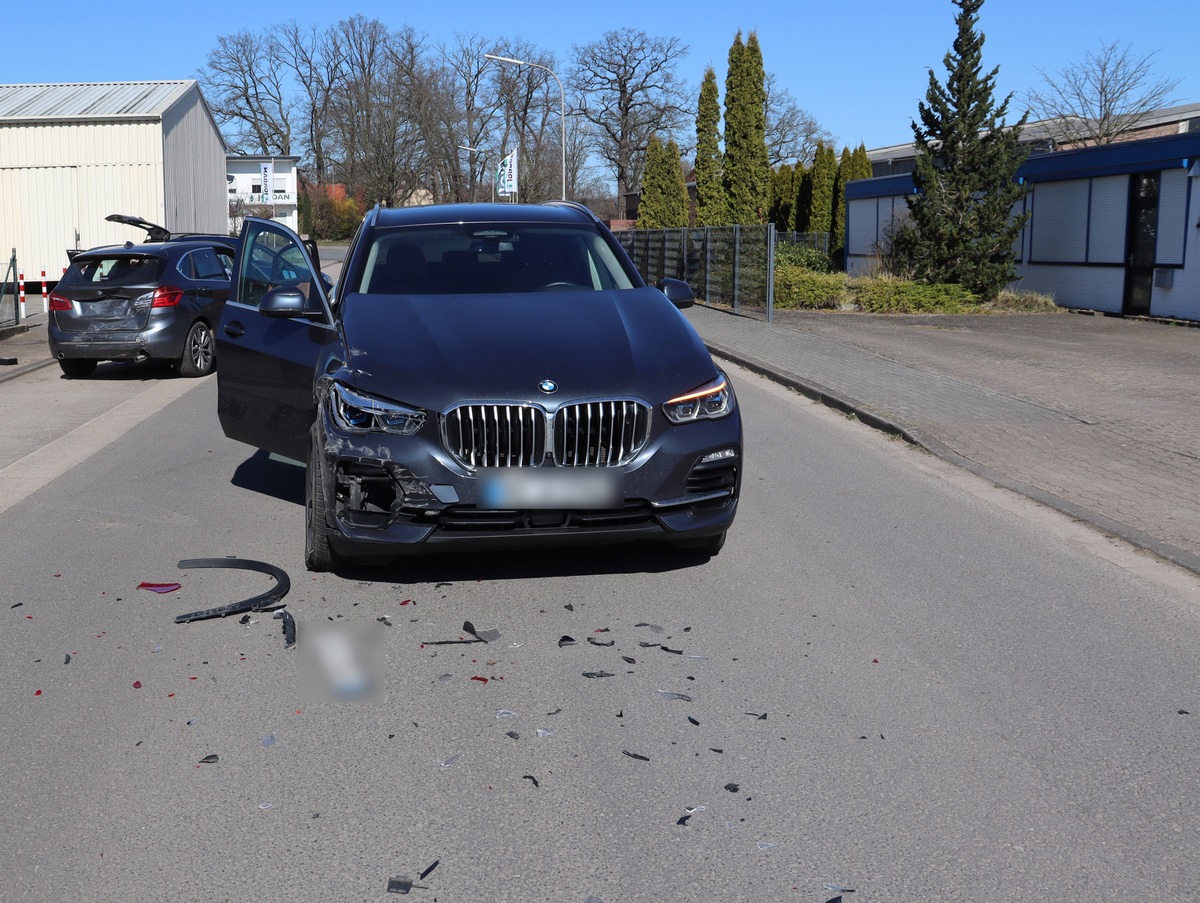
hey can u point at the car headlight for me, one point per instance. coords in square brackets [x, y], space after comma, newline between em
[358, 413]
[709, 402]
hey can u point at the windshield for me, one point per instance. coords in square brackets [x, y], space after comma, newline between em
[482, 258]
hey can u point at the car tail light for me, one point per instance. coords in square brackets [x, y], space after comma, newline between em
[167, 296]
[58, 302]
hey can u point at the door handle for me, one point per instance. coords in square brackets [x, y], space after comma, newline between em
[234, 329]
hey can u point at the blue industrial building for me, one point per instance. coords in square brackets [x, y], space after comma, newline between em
[1111, 228]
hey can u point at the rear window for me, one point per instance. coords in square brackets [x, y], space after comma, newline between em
[115, 270]
[486, 258]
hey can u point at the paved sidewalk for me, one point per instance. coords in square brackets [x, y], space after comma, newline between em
[1094, 416]
[24, 348]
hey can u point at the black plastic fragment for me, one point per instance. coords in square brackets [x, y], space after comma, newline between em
[401, 884]
[16, 605]
[649, 645]
[569, 607]
[640, 758]
[593, 674]
[210, 759]
[565, 640]
[255, 603]
[596, 642]
[693, 721]
[683, 820]
[758, 717]
[628, 660]
[289, 627]
[425, 874]
[244, 619]
[714, 749]
[529, 777]
[555, 712]
[484, 636]
[67, 659]
[672, 651]
[512, 735]
[732, 788]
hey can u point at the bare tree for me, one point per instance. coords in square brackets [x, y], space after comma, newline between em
[792, 133]
[626, 89]
[529, 106]
[244, 84]
[1102, 97]
[316, 59]
[372, 110]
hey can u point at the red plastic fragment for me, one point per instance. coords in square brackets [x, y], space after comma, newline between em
[29, 617]
[137, 684]
[482, 680]
[159, 587]
[874, 661]
[37, 692]
[169, 695]
[56, 575]
[406, 601]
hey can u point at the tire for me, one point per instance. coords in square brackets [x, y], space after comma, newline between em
[318, 556]
[199, 356]
[709, 547]
[77, 367]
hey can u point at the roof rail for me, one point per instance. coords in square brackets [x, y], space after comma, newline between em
[575, 205]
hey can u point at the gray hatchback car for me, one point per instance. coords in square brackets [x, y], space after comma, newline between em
[160, 299]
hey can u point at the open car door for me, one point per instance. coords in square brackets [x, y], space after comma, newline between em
[272, 333]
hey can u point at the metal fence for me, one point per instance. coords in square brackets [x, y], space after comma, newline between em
[816, 240]
[10, 310]
[733, 266]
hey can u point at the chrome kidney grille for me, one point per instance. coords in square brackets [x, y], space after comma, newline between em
[590, 434]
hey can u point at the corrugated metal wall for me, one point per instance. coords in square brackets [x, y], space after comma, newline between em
[196, 194]
[67, 177]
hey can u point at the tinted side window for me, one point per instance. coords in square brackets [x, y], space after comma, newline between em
[202, 264]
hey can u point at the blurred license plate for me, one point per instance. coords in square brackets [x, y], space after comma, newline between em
[551, 488]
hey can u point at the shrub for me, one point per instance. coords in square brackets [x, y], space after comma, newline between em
[882, 295]
[789, 254]
[799, 288]
[1025, 303]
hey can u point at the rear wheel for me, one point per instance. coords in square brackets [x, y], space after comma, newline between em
[77, 367]
[199, 352]
[318, 556]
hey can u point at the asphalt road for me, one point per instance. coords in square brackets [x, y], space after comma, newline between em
[900, 681]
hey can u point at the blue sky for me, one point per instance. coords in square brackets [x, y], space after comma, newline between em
[859, 68]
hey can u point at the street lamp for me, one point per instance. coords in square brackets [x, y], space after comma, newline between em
[476, 150]
[562, 96]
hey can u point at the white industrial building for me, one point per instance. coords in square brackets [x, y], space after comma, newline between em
[262, 186]
[71, 154]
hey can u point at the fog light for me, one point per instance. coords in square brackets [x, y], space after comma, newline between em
[722, 455]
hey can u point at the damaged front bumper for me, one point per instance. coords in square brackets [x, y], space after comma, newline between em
[395, 495]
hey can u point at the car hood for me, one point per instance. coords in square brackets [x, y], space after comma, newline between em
[435, 351]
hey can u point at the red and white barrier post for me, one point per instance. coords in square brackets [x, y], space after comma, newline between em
[21, 280]
[45, 294]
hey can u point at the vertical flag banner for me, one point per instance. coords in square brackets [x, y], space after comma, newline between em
[267, 171]
[506, 176]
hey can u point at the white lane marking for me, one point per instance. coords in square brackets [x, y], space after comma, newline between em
[27, 475]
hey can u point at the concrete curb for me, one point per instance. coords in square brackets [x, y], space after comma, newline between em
[20, 370]
[847, 405]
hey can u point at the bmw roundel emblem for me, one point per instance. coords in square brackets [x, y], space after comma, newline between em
[548, 386]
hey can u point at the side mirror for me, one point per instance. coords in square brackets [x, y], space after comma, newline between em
[328, 283]
[283, 301]
[678, 292]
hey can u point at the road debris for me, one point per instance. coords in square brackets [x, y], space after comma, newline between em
[261, 602]
[289, 627]
[159, 588]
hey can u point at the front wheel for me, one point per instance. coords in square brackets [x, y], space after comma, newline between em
[318, 556]
[77, 367]
[199, 351]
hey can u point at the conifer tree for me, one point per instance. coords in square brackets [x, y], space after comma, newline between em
[664, 201]
[962, 228]
[802, 210]
[837, 228]
[746, 167]
[861, 164]
[783, 198]
[820, 198]
[710, 191]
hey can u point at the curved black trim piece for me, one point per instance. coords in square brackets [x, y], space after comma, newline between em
[255, 603]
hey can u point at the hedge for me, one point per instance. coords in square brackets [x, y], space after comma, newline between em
[797, 288]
